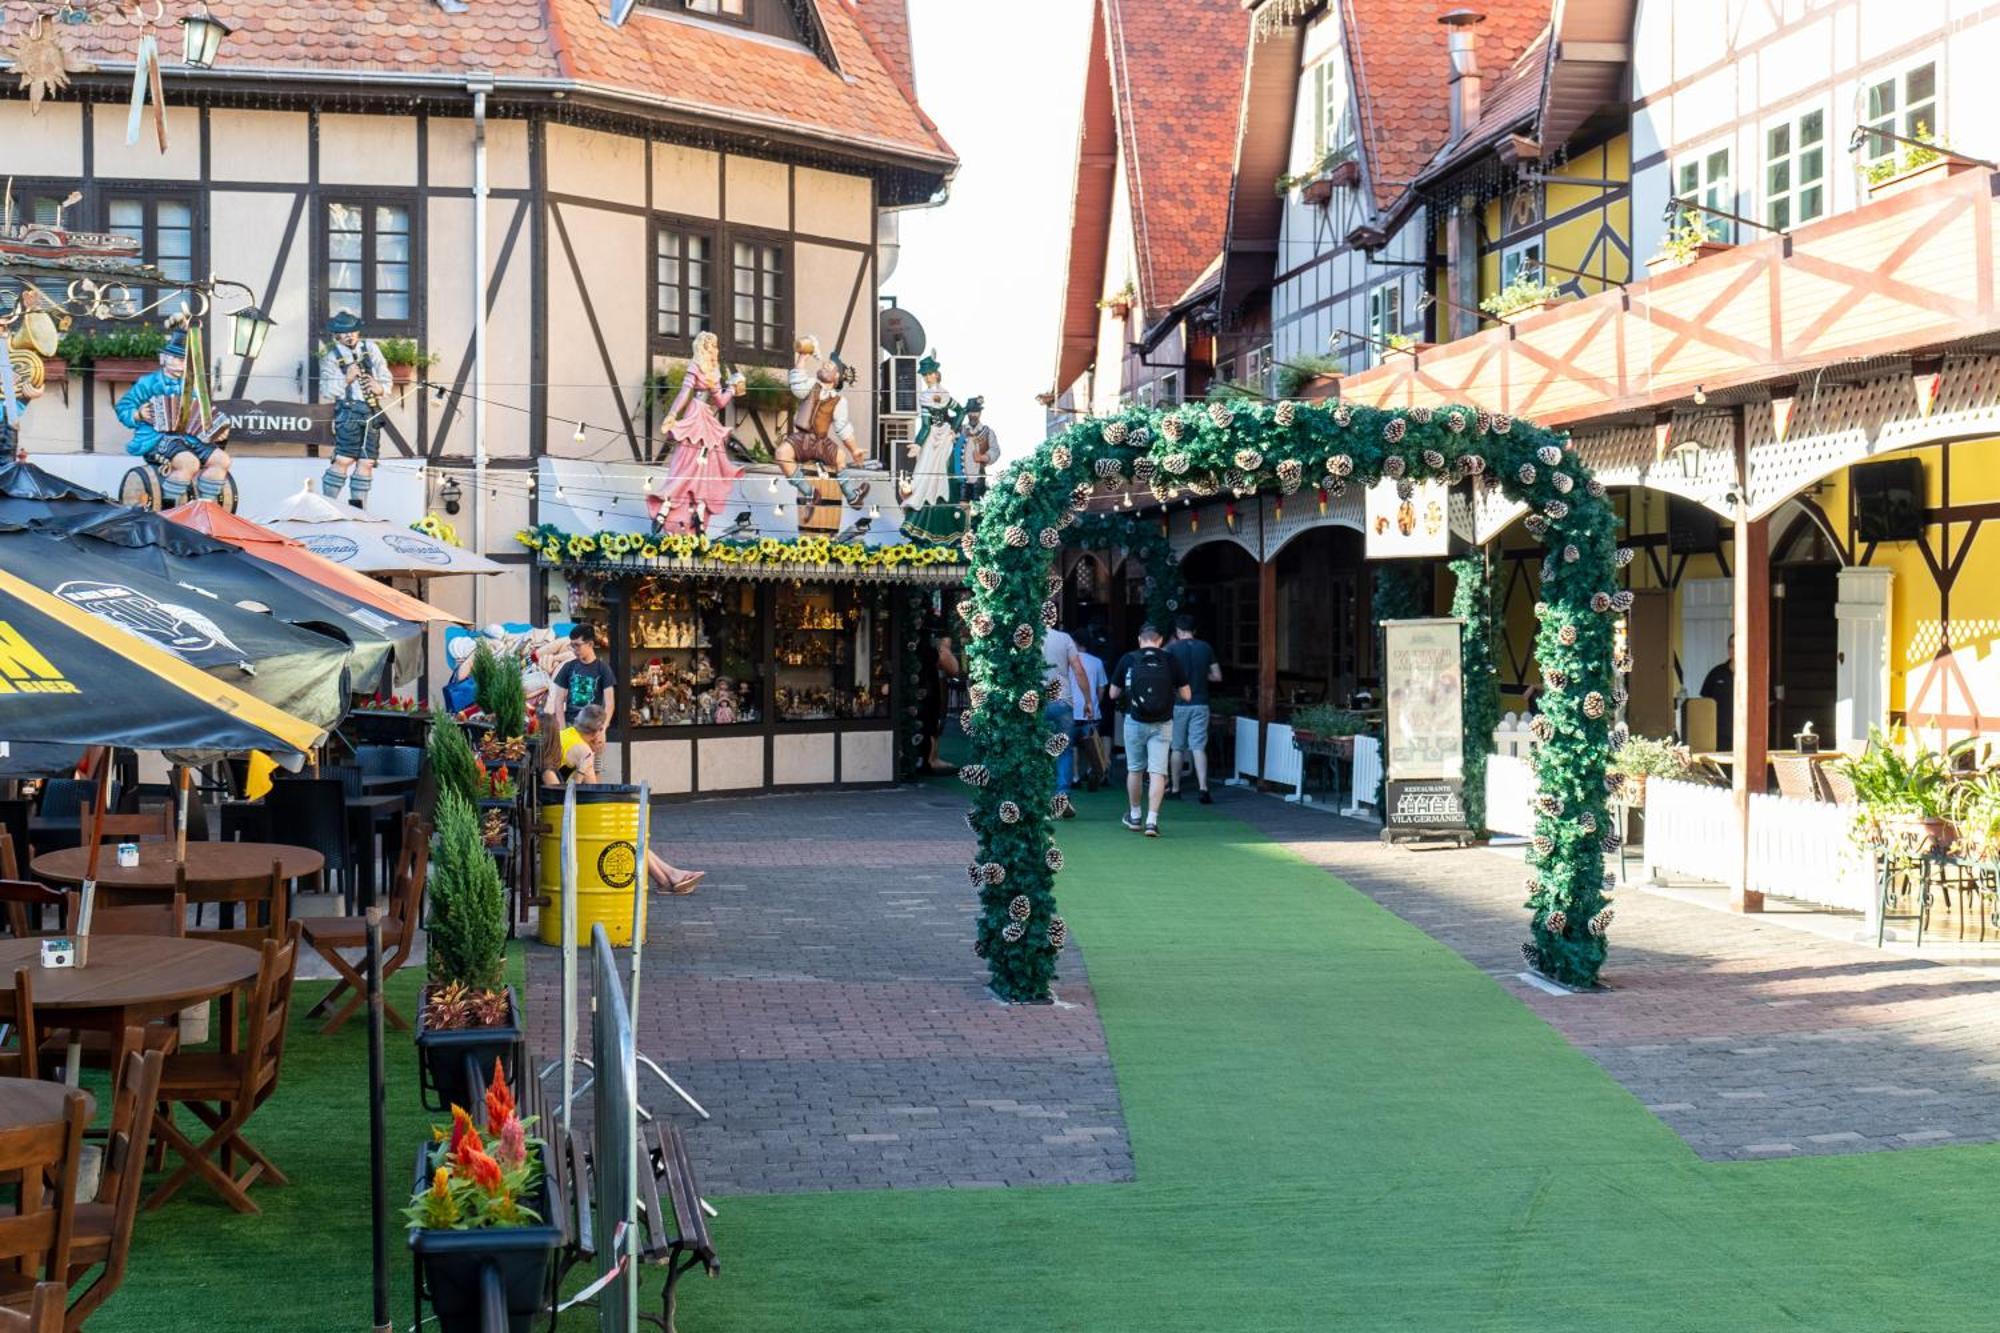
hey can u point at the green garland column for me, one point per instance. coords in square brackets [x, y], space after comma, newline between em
[1472, 604]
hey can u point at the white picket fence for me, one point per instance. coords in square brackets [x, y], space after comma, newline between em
[1282, 760]
[1367, 775]
[1798, 849]
[1247, 758]
[1511, 737]
[1510, 795]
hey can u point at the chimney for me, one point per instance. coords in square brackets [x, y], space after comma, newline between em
[1462, 47]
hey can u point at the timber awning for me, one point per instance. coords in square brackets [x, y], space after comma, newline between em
[1904, 274]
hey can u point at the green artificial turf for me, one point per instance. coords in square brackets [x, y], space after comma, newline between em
[1337, 1124]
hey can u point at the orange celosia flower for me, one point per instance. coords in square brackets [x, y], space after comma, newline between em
[463, 1132]
[499, 1100]
[485, 1172]
[441, 1183]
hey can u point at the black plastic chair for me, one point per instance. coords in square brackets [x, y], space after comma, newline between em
[312, 812]
[58, 823]
[389, 761]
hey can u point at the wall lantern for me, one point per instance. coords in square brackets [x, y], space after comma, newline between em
[249, 327]
[1690, 458]
[201, 35]
[451, 493]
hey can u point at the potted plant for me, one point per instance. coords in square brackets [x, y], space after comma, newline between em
[1522, 297]
[1687, 240]
[1904, 798]
[407, 360]
[1640, 758]
[1328, 729]
[117, 354]
[1309, 377]
[1121, 302]
[1918, 165]
[484, 1199]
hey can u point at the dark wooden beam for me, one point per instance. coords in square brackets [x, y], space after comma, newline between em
[1752, 702]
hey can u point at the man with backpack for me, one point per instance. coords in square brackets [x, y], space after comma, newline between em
[1148, 683]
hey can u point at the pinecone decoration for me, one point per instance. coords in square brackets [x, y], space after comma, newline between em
[975, 775]
[1544, 845]
[1593, 705]
[1621, 601]
[1030, 701]
[1024, 483]
[1057, 743]
[1502, 424]
[1562, 482]
[1556, 922]
[1060, 805]
[1433, 460]
[1059, 458]
[1601, 923]
[1610, 841]
[1051, 613]
[1549, 804]
[1058, 933]
[1220, 414]
[1016, 535]
[1536, 525]
[1170, 428]
[1010, 813]
[1054, 584]
[1143, 470]
[1475, 464]
[1050, 538]
[982, 625]
[977, 694]
[1393, 430]
[1614, 783]
[1620, 696]
[994, 873]
[1534, 884]
[1290, 474]
[1335, 488]
[1204, 486]
[976, 873]
[1600, 602]
[1531, 954]
[1012, 932]
[1141, 437]
[1020, 909]
[1079, 497]
[1541, 610]
[1110, 469]
[1454, 421]
[965, 722]
[1566, 636]
[1340, 465]
[1176, 463]
[1557, 510]
[1054, 859]
[1024, 637]
[1526, 473]
[1595, 487]
[989, 579]
[1249, 460]
[1114, 434]
[964, 608]
[979, 948]
[1421, 415]
[1587, 822]
[965, 540]
[1284, 414]
[1542, 729]
[1549, 454]
[1405, 488]
[1343, 415]
[1237, 483]
[1571, 555]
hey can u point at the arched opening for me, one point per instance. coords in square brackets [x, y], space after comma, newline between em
[1088, 593]
[1220, 578]
[1325, 649]
[1805, 591]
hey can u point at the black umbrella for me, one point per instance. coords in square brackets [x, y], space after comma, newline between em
[33, 497]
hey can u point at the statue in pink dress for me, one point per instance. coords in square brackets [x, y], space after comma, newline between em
[700, 473]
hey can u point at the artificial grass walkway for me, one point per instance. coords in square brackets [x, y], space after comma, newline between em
[1337, 1123]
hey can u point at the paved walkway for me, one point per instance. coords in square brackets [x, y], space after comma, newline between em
[819, 996]
[1749, 1039]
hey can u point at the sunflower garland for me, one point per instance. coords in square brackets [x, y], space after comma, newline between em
[555, 546]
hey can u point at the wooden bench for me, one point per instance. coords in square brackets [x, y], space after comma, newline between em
[673, 1229]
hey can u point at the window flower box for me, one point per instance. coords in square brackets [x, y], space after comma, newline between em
[1668, 260]
[1317, 192]
[1916, 178]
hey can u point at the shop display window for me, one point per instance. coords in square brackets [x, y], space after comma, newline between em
[831, 652]
[694, 654]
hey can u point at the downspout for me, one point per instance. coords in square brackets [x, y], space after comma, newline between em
[479, 87]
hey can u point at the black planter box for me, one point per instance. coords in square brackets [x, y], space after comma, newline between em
[445, 1081]
[446, 1265]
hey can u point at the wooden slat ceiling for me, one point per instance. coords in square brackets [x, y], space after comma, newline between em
[1263, 143]
[1593, 46]
[1090, 212]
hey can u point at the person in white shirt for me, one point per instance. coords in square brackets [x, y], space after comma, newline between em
[1090, 718]
[1063, 682]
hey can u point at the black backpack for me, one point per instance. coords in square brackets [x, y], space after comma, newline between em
[1149, 685]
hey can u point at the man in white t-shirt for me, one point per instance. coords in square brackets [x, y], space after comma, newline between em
[1062, 682]
[1089, 710]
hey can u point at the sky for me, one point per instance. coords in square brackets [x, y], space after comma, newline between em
[983, 273]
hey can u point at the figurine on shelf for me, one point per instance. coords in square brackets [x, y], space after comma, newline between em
[700, 473]
[821, 432]
[974, 449]
[930, 479]
[725, 701]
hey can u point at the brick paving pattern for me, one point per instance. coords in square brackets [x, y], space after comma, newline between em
[819, 996]
[1749, 1039]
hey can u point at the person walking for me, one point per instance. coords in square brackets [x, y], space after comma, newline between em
[1090, 717]
[1147, 682]
[1198, 667]
[1062, 683]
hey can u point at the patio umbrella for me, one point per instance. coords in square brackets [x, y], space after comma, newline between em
[357, 540]
[289, 668]
[278, 550]
[33, 497]
[68, 678]
[145, 541]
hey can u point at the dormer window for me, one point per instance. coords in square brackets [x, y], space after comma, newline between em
[736, 10]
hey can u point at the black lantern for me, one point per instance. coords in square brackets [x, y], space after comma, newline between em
[250, 326]
[451, 493]
[201, 36]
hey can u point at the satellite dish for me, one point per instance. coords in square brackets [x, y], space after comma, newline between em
[902, 335]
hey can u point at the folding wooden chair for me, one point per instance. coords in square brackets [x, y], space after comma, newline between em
[17, 896]
[158, 916]
[224, 1088]
[263, 898]
[103, 1234]
[155, 823]
[329, 935]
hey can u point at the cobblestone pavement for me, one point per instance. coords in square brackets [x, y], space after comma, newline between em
[1749, 1039]
[819, 996]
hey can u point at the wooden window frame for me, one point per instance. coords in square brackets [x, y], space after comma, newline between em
[717, 15]
[1899, 119]
[683, 344]
[1771, 198]
[150, 194]
[367, 201]
[782, 333]
[1382, 325]
[1720, 229]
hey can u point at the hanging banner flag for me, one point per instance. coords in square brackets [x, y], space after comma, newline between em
[145, 80]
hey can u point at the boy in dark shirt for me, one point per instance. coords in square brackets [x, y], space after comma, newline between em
[586, 680]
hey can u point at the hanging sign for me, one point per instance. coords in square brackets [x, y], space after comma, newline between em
[1432, 520]
[289, 424]
[1424, 727]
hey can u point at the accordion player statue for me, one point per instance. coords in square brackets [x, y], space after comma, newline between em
[175, 426]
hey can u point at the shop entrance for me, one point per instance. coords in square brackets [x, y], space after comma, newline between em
[1220, 579]
[1805, 586]
[1322, 628]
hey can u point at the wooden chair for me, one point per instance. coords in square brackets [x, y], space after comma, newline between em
[329, 935]
[43, 1315]
[165, 917]
[103, 1234]
[18, 895]
[155, 823]
[263, 897]
[36, 1236]
[17, 1011]
[1794, 773]
[224, 1088]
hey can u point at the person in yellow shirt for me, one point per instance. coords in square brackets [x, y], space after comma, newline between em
[577, 748]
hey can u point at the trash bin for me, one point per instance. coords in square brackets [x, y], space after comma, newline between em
[607, 861]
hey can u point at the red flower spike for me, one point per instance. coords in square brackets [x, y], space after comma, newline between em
[464, 1133]
[484, 1171]
[500, 1106]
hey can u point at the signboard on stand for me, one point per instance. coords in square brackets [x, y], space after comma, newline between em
[1424, 730]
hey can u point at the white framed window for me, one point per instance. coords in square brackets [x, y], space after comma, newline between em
[1795, 169]
[1260, 370]
[1704, 178]
[1146, 394]
[1333, 124]
[1904, 102]
[1385, 316]
[1170, 389]
[1522, 261]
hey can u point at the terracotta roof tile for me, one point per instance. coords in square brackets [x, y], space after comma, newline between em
[1402, 76]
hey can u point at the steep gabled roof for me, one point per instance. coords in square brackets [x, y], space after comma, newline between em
[1165, 79]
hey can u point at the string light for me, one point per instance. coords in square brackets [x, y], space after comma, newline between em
[580, 437]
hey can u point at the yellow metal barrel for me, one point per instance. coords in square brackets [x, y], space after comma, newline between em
[607, 861]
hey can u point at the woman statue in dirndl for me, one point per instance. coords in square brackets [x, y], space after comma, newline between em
[700, 473]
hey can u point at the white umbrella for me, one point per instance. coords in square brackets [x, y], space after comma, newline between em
[370, 545]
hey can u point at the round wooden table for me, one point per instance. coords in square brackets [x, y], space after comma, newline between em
[205, 861]
[132, 980]
[28, 1102]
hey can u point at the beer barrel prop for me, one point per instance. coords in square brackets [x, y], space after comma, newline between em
[141, 488]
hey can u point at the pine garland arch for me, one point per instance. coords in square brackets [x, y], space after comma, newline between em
[1239, 450]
